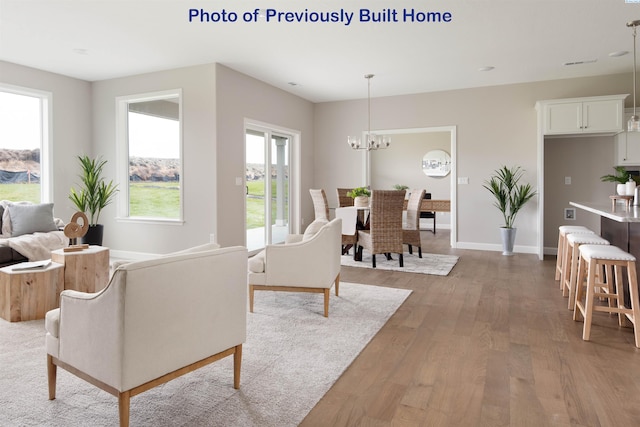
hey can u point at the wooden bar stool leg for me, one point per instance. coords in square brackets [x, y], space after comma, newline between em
[573, 278]
[635, 306]
[617, 293]
[567, 264]
[588, 309]
[559, 256]
[577, 312]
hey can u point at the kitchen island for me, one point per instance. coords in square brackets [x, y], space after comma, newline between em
[620, 225]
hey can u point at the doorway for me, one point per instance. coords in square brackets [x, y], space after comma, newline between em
[267, 186]
[388, 174]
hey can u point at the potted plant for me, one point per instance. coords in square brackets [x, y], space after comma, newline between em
[510, 196]
[360, 196]
[401, 187]
[621, 177]
[93, 195]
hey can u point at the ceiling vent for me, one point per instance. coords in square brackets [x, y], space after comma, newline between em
[586, 61]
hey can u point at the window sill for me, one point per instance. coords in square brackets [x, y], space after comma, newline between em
[142, 220]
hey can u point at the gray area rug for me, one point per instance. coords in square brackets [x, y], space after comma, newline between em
[292, 356]
[438, 265]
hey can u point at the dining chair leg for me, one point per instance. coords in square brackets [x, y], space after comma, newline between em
[373, 260]
[419, 252]
[410, 249]
[401, 260]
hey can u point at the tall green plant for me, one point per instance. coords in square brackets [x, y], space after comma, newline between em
[510, 195]
[94, 194]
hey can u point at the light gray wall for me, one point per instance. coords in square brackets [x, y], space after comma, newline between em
[495, 126]
[585, 160]
[71, 99]
[199, 179]
[241, 97]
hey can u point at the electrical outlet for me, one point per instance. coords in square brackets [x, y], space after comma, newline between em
[567, 180]
[463, 180]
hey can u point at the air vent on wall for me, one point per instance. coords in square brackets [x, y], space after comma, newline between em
[586, 61]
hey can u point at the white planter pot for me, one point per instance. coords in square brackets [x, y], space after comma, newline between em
[361, 201]
[621, 189]
[508, 239]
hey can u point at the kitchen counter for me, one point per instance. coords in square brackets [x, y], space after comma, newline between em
[619, 214]
[621, 227]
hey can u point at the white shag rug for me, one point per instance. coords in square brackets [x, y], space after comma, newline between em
[292, 356]
[436, 264]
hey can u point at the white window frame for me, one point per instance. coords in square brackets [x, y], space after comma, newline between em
[122, 155]
[46, 136]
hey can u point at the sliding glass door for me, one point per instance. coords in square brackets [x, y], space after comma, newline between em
[267, 155]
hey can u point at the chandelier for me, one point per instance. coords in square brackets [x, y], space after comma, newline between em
[633, 125]
[372, 141]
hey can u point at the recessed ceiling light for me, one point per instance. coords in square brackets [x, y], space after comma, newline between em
[81, 51]
[292, 84]
[618, 53]
[487, 68]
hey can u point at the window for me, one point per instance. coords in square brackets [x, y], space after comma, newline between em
[24, 144]
[150, 156]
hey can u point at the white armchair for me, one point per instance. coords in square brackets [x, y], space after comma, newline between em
[156, 320]
[306, 263]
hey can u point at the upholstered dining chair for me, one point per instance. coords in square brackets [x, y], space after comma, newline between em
[385, 225]
[411, 226]
[349, 217]
[343, 199]
[320, 204]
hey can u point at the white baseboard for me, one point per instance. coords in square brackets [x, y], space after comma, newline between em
[495, 247]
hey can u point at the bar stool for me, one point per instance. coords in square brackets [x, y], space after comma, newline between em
[563, 230]
[593, 257]
[571, 257]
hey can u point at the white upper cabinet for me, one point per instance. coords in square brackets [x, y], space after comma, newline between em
[576, 116]
[628, 149]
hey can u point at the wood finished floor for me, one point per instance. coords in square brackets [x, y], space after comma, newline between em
[492, 344]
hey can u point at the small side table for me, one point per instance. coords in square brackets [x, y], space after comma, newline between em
[86, 270]
[29, 294]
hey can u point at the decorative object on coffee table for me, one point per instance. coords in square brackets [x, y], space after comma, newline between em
[74, 230]
[86, 270]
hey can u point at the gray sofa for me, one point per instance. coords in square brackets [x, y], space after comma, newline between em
[28, 232]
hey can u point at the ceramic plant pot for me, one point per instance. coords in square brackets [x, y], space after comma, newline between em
[361, 201]
[508, 239]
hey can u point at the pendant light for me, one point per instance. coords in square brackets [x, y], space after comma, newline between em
[373, 141]
[633, 125]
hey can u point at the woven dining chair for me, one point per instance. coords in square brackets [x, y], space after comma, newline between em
[411, 227]
[320, 205]
[385, 232]
[343, 199]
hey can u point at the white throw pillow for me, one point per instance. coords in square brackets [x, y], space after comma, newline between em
[313, 228]
[256, 262]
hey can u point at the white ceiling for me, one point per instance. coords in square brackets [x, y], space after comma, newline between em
[525, 40]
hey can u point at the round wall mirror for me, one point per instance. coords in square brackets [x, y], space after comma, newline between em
[436, 163]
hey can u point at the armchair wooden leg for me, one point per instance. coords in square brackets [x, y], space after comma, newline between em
[124, 399]
[337, 284]
[237, 364]
[326, 302]
[52, 371]
[251, 291]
